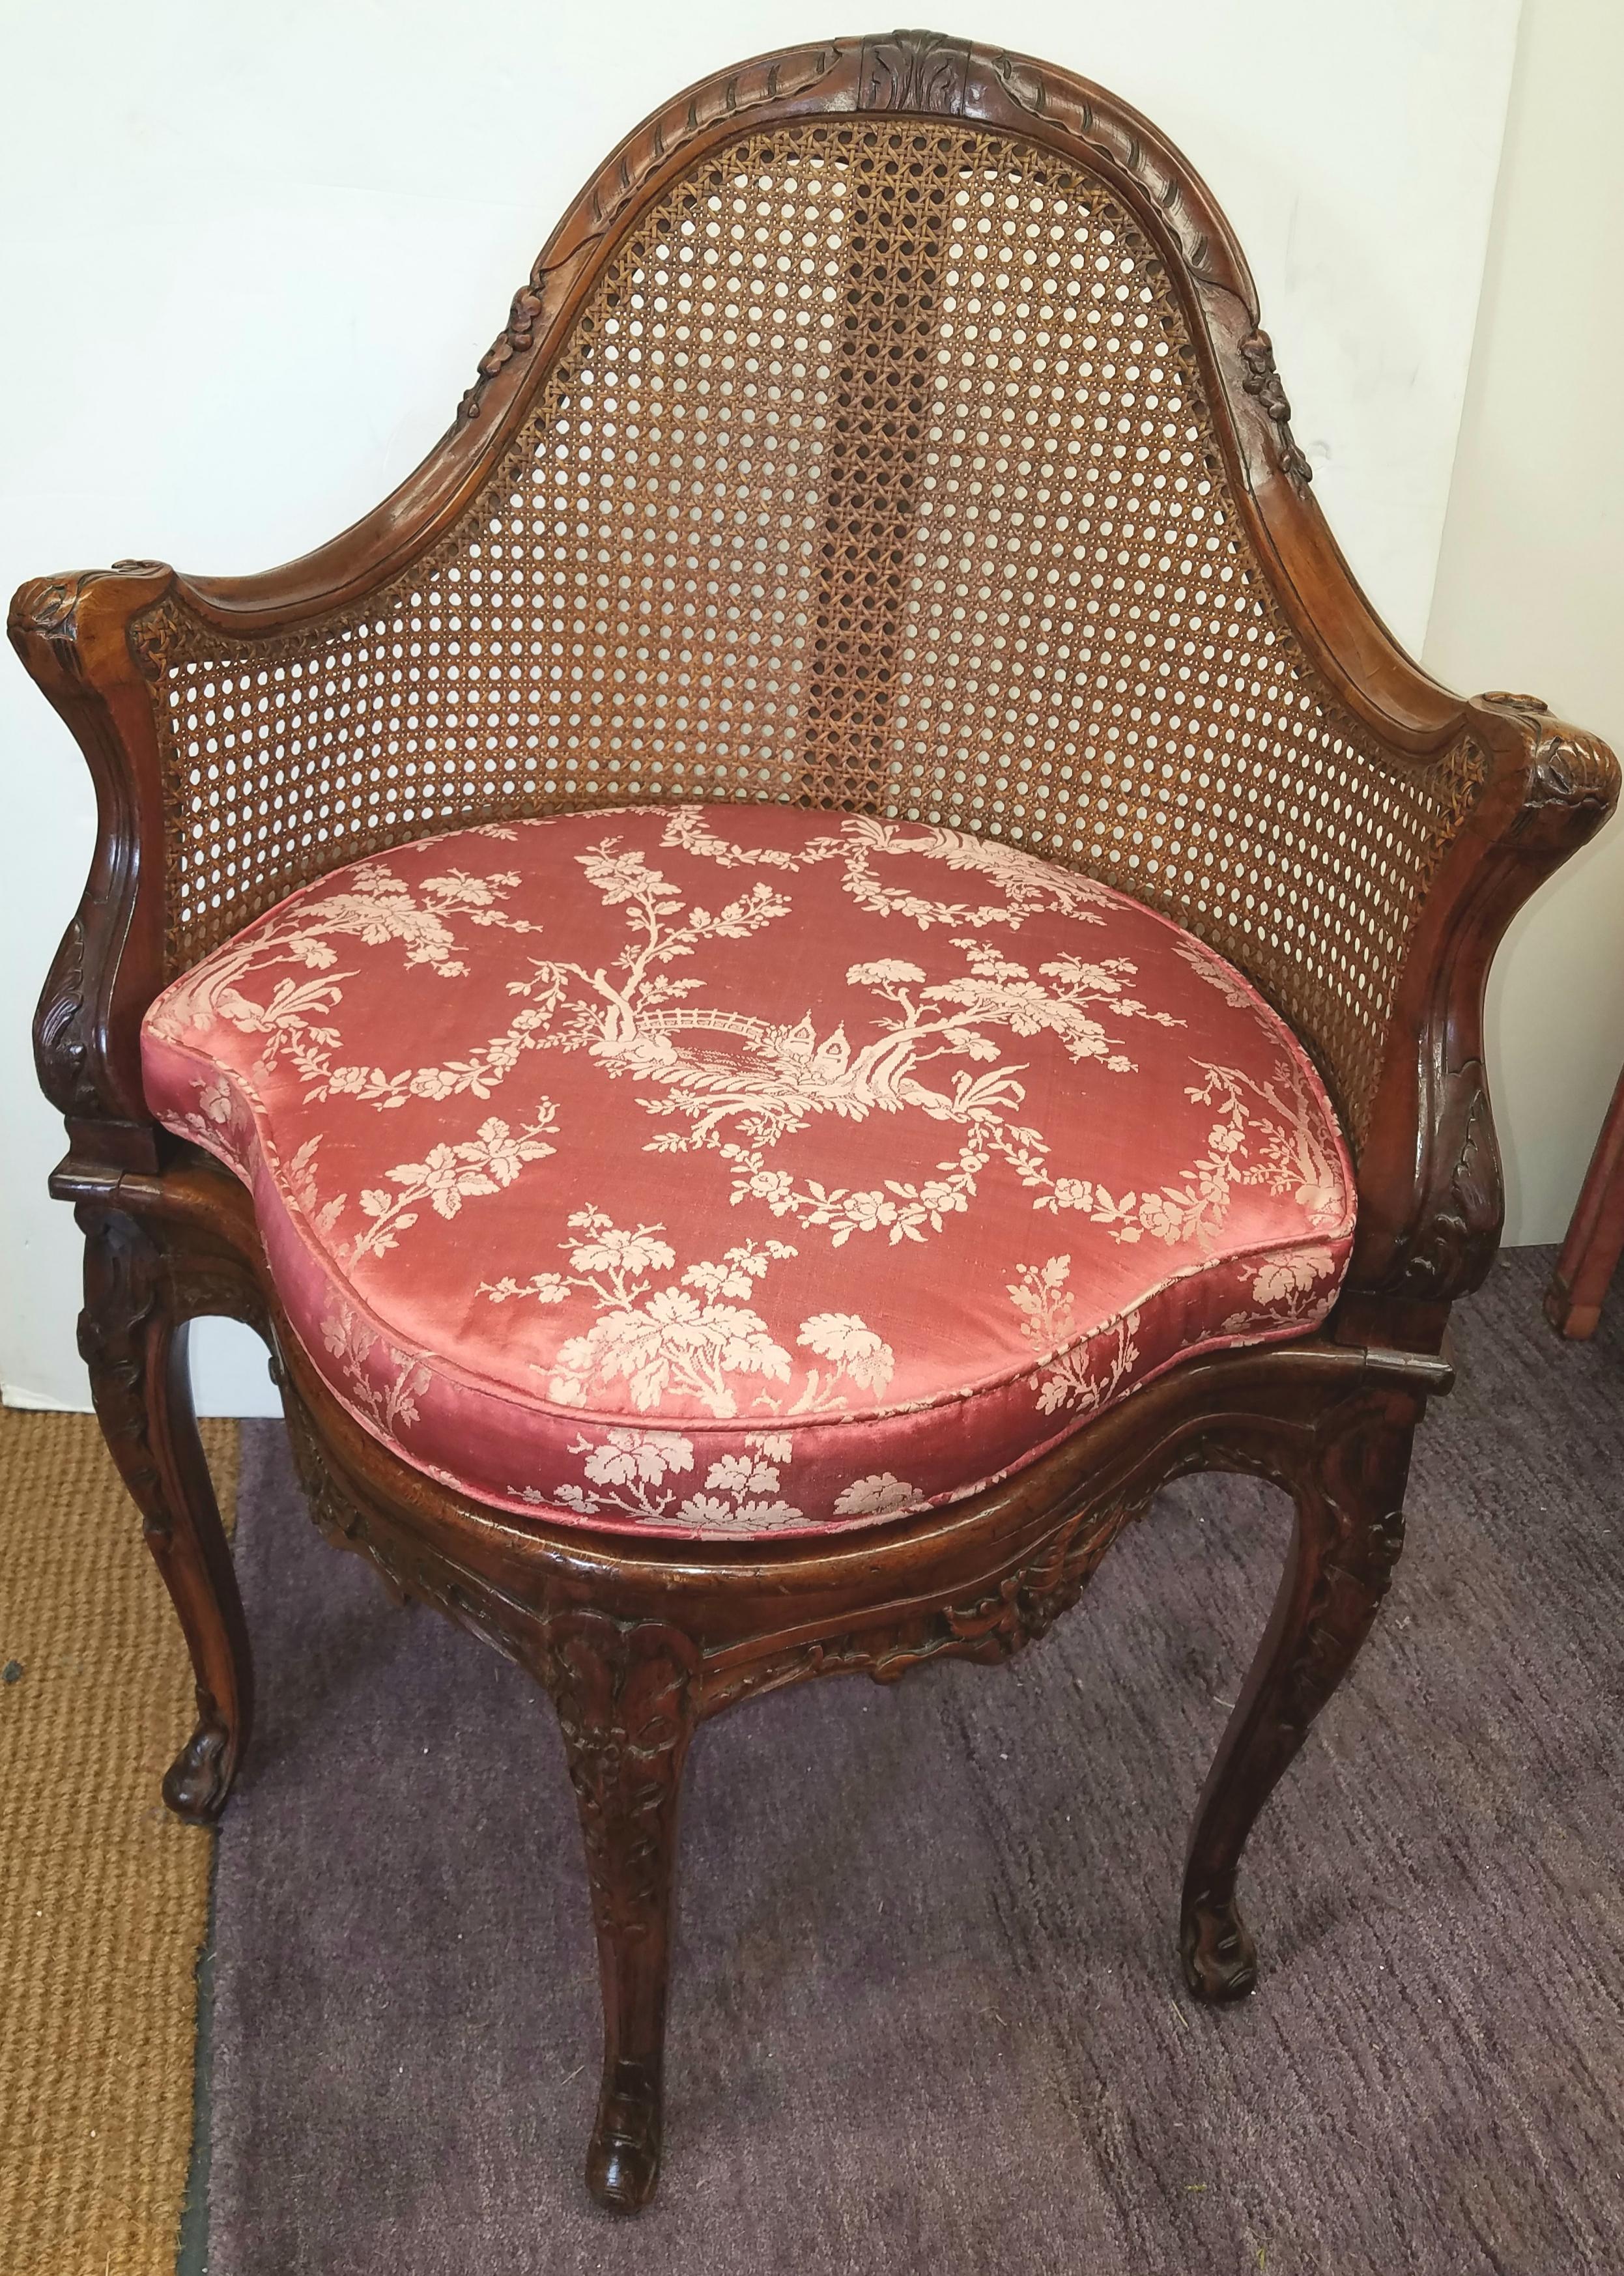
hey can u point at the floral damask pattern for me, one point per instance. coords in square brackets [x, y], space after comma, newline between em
[693, 1335]
[685, 1167]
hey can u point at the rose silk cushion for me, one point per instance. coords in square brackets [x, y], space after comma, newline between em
[718, 1170]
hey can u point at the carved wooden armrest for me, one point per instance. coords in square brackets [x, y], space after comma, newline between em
[1432, 1199]
[80, 637]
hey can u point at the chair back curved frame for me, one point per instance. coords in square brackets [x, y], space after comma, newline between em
[637, 1640]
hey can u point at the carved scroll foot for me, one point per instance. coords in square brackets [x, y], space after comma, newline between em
[1216, 1947]
[132, 1338]
[1350, 1529]
[625, 1706]
[198, 1783]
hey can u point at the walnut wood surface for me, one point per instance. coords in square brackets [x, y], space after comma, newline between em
[637, 1640]
[139, 1299]
[1595, 1239]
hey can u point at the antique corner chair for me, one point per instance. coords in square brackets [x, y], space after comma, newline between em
[864, 692]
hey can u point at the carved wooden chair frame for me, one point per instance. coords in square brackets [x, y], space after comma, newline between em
[638, 1640]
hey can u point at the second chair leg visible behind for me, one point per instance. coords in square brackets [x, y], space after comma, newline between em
[1596, 1236]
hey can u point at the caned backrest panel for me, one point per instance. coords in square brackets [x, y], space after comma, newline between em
[877, 471]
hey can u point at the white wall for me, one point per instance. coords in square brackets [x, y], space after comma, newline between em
[1530, 586]
[250, 257]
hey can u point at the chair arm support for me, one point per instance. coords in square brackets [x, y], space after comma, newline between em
[1431, 1194]
[78, 637]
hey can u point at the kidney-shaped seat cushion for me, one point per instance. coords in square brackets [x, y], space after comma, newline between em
[717, 1170]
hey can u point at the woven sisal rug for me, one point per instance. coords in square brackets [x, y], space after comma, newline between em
[103, 1897]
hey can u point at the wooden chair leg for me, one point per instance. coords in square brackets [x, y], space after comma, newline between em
[1595, 1236]
[626, 1705]
[134, 1346]
[1349, 1531]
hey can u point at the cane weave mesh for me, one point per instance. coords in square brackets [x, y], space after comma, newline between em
[876, 472]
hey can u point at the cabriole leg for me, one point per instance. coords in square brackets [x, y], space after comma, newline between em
[1349, 1530]
[625, 1701]
[135, 1348]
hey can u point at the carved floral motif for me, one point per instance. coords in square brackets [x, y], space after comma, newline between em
[1352, 1583]
[61, 1052]
[1262, 380]
[624, 1694]
[46, 610]
[914, 70]
[1568, 767]
[1458, 1238]
[123, 1303]
[990, 1627]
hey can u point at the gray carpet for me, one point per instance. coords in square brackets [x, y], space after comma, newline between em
[927, 2014]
